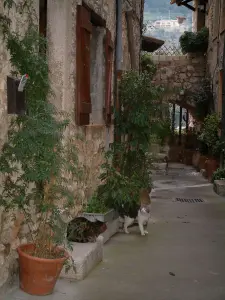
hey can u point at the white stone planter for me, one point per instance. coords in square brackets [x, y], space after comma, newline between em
[105, 218]
[219, 187]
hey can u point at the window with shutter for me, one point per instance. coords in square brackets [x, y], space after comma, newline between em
[43, 17]
[222, 16]
[108, 72]
[83, 98]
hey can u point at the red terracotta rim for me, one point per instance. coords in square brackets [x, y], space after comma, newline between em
[46, 260]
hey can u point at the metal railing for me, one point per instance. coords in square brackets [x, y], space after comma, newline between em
[169, 50]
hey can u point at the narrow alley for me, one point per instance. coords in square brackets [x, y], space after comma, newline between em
[182, 258]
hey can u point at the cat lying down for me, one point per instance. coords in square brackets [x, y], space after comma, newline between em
[139, 211]
[81, 230]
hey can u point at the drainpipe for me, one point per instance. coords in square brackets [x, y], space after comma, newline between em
[223, 104]
[118, 60]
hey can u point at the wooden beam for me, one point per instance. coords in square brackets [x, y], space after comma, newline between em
[189, 6]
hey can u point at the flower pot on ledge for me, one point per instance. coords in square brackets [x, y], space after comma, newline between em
[188, 154]
[195, 159]
[211, 165]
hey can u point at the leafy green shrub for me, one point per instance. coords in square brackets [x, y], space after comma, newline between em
[219, 174]
[193, 42]
[203, 99]
[210, 135]
[96, 205]
[147, 64]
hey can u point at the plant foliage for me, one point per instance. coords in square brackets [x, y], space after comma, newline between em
[203, 99]
[134, 123]
[194, 42]
[38, 164]
[218, 175]
[210, 135]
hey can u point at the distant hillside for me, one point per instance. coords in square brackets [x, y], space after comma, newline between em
[156, 10]
[162, 9]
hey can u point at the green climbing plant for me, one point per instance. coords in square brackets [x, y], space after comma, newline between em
[38, 164]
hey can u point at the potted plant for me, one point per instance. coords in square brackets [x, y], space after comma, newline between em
[218, 180]
[40, 169]
[211, 138]
[195, 42]
[96, 209]
[190, 145]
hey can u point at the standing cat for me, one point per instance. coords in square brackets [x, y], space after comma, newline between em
[140, 211]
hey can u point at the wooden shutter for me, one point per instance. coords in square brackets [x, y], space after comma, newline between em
[83, 97]
[108, 76]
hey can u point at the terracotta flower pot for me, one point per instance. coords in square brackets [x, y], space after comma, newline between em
[38, 276]
[211, 165]
[201, 164]
[188, 157]
[195, 159]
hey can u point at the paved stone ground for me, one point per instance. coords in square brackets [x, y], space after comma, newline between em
[185, 239]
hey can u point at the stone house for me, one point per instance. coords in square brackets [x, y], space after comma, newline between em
[89, 44]
[211, 14]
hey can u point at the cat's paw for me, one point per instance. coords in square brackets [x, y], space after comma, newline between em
[143, 234]
[146, 232]
[127, 232]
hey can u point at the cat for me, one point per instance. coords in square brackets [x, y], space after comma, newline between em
[81, 230]
[140, 211]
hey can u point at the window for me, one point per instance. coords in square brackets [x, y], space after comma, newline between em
[94, 69]
[83, 99]
[222, 16]
[43, 17]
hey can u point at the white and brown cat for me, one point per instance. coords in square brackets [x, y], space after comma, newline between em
[140, 212]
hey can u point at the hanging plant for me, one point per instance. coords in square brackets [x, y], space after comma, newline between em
[194, 42]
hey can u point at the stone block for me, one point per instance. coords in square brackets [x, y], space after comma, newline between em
[85, 257]
[219, 186]
[112, 228]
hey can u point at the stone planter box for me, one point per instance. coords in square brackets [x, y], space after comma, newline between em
[86, 256]
[105, 218]
[219, 187]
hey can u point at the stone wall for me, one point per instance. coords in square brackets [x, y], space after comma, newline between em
[214, 60]
[61, 34]
[179, 75]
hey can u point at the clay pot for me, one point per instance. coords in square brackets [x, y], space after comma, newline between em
[211, 165]
[188, 154]
[195, 159]
[38, 276]
[201, 164]
[175, 154]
